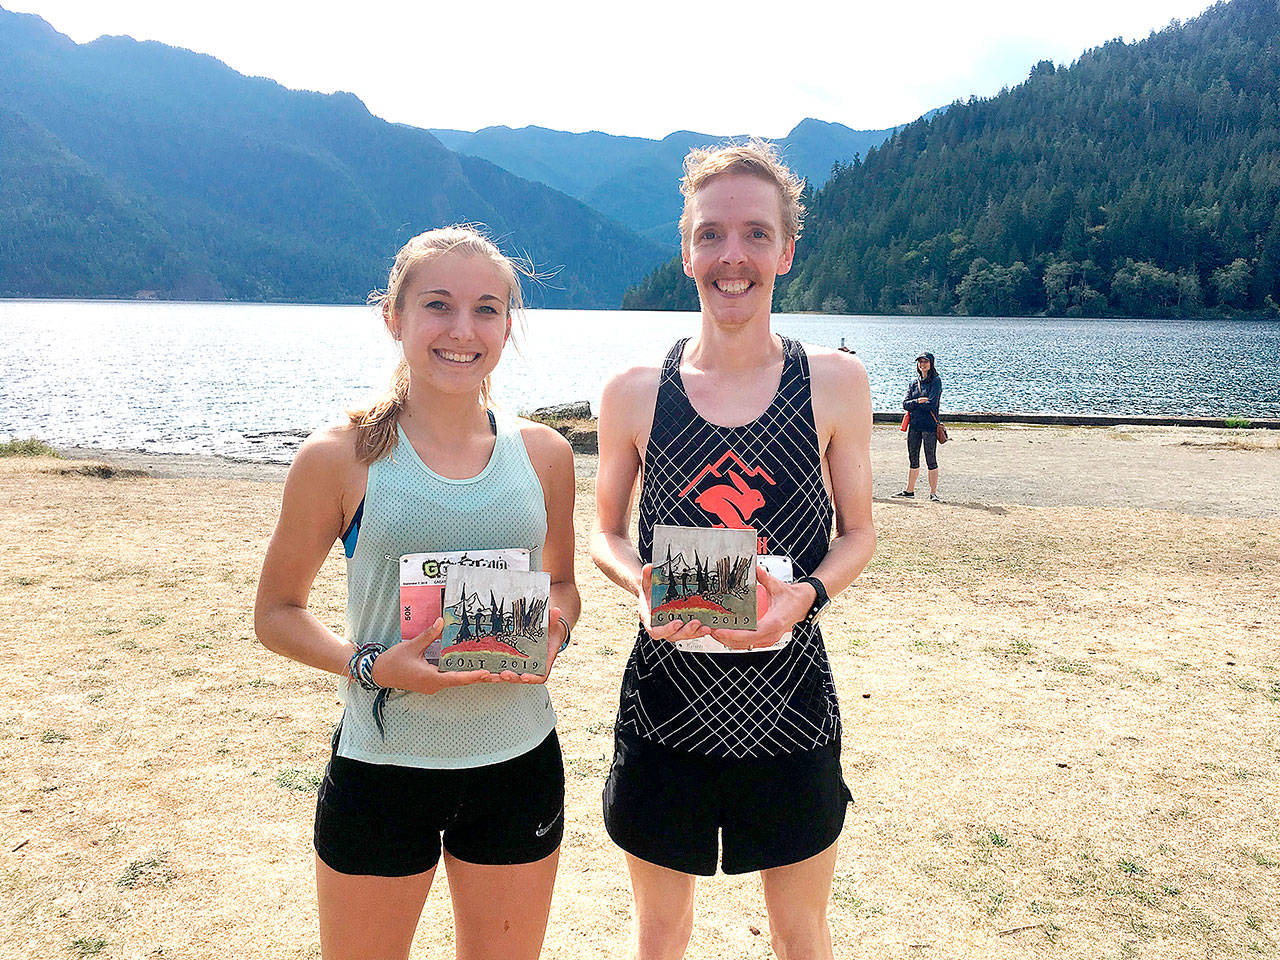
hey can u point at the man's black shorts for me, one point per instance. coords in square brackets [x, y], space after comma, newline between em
[670, 808]
[384, 820]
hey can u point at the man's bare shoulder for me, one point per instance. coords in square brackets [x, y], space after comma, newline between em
[626, 411]
[835, 370]
[638, 378]
[627, 389]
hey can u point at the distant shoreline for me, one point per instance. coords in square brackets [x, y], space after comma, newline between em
[1256, 316]
[1193, 470]
[1095, 420]
[582, 436]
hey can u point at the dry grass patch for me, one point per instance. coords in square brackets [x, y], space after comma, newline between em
[1260, 441]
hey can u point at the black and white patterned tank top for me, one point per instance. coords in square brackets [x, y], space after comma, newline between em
[766, 475]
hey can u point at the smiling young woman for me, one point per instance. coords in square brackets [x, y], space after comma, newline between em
[429, 765]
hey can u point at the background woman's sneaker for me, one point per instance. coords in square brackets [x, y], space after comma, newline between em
[935, 498]
[905, 493]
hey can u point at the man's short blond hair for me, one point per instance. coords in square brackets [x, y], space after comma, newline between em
[755, 157]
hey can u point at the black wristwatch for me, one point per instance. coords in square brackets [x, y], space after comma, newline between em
[820, 601]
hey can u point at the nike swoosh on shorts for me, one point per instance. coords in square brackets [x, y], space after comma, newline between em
[542, 831]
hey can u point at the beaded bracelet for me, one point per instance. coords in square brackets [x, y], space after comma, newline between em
[360, 667]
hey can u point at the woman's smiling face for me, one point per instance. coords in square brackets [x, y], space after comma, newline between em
[453, 321]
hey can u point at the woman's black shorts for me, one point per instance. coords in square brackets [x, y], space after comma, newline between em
[674, 808]
[390, 821]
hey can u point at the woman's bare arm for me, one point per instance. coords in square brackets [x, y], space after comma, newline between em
[324, 478]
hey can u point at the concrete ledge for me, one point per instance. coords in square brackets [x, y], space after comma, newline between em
[1089, 420]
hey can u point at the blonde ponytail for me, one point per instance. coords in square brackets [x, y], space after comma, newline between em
[376, 424]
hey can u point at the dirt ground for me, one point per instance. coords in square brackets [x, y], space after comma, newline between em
[1060, 689]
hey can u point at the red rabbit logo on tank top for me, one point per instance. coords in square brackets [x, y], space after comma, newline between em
[731, 503]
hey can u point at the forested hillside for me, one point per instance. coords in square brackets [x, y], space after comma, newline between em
[137, 169]
[1143, 180]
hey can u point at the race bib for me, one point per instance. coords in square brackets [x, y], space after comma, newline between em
[422, 577]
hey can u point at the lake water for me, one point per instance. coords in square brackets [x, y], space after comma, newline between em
[243, 380]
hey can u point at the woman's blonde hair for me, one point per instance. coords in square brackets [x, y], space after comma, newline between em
[375, 425]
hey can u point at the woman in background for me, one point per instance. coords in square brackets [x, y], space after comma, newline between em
[924, 398]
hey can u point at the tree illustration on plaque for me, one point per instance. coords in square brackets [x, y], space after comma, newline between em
[704, 574]
[495, 620]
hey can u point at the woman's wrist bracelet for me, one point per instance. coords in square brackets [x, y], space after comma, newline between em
[360, 666]
[568, 632]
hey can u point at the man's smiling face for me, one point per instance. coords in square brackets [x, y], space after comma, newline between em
[736, 246]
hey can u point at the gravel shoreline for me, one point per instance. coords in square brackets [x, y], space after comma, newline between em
[1194, 470]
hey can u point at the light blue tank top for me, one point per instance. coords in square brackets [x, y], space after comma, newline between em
[409, 508]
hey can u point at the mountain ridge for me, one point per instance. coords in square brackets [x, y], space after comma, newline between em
[634, 180]
[244, 189]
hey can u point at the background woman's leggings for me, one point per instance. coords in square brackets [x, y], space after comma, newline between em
[930, 438]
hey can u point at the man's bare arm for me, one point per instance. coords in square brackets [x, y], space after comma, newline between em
[842, 405]
[626, 415]
[626, 408]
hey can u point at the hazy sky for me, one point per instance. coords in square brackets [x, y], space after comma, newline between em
[636, 68]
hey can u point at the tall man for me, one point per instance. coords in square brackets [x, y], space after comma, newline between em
[728, 735]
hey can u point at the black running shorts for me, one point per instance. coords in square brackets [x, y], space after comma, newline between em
[389, 821]
[670, 808]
